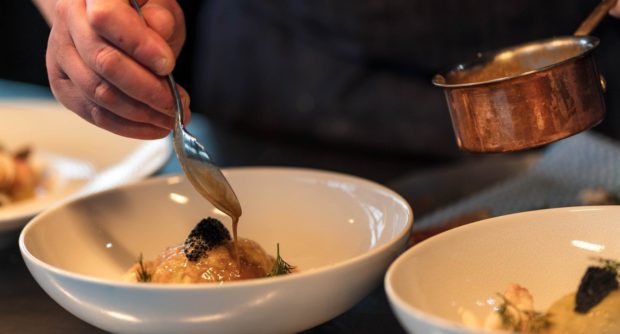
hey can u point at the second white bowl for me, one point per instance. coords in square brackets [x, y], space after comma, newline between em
[546, 251]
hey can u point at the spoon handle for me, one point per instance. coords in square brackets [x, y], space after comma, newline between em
[595, 17]
[180, 115]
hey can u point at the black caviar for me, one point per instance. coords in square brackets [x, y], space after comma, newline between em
[207, 234]
[595, 285]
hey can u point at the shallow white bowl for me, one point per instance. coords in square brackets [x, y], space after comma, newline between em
[547, 251]
[67, 151]
[340, 231]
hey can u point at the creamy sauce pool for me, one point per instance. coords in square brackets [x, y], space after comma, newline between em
[601, 319]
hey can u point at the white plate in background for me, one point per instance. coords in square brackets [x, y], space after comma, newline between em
[78, 157]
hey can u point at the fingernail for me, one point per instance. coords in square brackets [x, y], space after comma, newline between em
[161, 66]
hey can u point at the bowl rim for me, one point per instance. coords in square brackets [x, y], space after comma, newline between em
[403, 234]
[399, 302]
[590, 43]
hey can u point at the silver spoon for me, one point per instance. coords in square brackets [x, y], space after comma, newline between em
[203, 174]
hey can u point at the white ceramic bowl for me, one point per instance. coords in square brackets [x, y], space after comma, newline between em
[340, 231]
[64, 147]
[547, 251]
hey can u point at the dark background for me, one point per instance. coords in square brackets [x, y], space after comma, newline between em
[23, 36]
[385, 104]
[23, 33]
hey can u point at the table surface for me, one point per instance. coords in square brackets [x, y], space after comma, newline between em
[25, 308]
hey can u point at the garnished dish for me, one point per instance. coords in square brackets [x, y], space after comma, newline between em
[19, 178]
[593, 308]
[209, 255]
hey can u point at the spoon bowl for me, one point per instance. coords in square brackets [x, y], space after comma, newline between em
[204, 175]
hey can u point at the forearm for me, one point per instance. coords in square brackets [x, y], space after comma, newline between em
[46, 8]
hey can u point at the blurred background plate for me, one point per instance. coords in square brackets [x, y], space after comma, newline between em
[77, 157]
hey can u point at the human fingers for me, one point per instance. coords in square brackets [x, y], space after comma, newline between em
[119, 24]
[101, 92]
[97, 115]
[117, 67]
[60, 47]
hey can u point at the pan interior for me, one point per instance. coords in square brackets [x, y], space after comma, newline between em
[516, 61]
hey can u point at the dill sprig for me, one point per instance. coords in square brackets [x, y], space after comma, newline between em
[143, 274]
[280, 267]
[526, 321]
[608, 264]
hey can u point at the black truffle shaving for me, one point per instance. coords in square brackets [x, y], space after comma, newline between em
[207, 234]
[595, 285]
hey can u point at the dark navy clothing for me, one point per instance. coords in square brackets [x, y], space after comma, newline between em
[358, 72]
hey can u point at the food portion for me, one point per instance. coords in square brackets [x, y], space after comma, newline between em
[602, 318]
[209, 255]
[515, 313]
[19, 179]
[594, 308]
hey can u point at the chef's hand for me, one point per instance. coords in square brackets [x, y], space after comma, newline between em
[105, 64]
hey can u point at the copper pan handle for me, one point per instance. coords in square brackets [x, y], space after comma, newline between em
[595, 17]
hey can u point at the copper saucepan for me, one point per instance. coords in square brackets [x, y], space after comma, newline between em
[528, 95]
